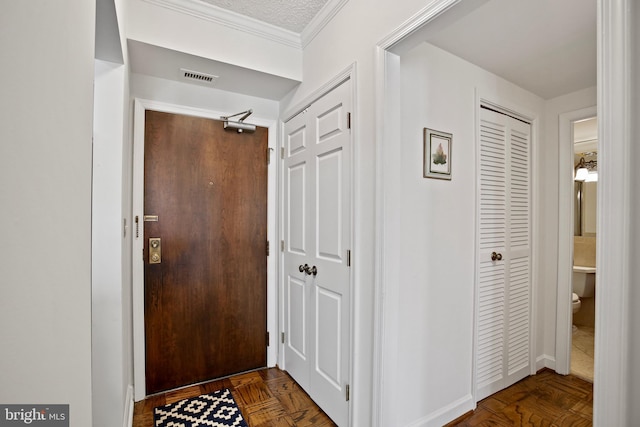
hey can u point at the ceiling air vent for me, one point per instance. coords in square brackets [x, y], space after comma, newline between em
[198, 77]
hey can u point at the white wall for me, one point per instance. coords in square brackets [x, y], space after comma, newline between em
[112, 360]
[108, 298]
[430, 333]
[435, 276]
[46, 107]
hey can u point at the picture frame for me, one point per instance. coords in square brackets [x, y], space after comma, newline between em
[437, 154]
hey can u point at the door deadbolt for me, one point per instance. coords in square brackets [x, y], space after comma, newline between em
[155, 250]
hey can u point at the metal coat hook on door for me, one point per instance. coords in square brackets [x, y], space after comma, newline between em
[308, 270]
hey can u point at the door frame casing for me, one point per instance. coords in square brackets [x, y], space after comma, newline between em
[349, 73]
[565, 235]
[137, 237]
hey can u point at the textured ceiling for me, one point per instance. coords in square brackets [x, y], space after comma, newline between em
[292, 15]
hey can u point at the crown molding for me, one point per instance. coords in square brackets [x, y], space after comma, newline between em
[322, 18]
[232, 20]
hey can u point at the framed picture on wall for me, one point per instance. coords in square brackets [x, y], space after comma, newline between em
[437, 154]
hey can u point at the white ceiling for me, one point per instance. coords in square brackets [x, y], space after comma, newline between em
[547, 47]
[292, 15]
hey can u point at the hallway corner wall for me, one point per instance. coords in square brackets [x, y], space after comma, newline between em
[45, 204]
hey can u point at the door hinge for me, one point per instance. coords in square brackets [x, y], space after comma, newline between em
[269, 149]
[282, 337]
[348, 257]
[348, 120]
[347, 392]
[268, 248]
[268, 340]
[281, 245]
[282, 153]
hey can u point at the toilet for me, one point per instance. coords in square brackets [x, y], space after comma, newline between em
[584, 284]
[575, 305]
[575, 302]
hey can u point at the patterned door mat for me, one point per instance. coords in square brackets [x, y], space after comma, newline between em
[217, 409]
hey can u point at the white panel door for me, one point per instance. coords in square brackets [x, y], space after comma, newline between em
[297, 170]
[503, 319]
[317, 233]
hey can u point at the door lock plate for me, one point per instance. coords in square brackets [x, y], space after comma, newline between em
[155, 250]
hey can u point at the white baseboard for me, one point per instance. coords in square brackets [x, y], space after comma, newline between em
[545, 361]
[127, 420]
[446, 414]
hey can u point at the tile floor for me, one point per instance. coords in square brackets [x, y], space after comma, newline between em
[582, 353]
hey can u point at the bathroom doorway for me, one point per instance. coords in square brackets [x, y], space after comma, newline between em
[567, 227]
[585, 160]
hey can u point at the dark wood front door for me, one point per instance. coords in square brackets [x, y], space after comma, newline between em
[205, 301]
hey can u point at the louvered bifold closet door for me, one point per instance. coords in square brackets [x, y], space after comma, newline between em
[518, 258]
[491, 275]
[503, 285]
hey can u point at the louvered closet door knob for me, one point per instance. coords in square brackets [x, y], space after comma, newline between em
[499, 256]
[496, 256]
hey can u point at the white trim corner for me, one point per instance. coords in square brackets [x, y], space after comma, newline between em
[127, 419]
[444, 415]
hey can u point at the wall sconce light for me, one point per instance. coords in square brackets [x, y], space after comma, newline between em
[586, 171]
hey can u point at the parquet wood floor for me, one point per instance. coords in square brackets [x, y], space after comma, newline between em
[545, 399]
[270, 398]
[266, 398]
